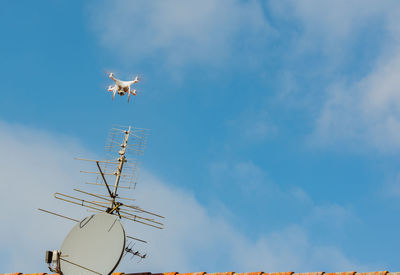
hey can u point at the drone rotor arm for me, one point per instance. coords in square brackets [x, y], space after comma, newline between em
[136, 80]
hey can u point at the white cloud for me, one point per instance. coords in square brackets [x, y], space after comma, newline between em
[330, 27]
[35, 164]
[360, 110]
[366, 112]
[176, 32]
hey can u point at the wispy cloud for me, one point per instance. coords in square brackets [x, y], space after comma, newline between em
[34, 164]
[367, 111]
[176, 33]
[355, 104]
[332, 28]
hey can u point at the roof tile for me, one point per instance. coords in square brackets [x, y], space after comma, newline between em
[310, 273]
[342, 273]
[251, 273]
[374, 273]
[222, 273]
[281, 273]
[194, 273]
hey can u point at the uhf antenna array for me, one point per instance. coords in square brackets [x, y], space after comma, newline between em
[116, 173]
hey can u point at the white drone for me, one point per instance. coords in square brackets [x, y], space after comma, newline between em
[122, 87]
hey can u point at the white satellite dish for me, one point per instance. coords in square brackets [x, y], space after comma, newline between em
[93, 246]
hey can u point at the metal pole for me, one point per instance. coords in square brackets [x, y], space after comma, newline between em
[121, 160]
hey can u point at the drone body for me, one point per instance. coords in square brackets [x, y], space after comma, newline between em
[122, 87]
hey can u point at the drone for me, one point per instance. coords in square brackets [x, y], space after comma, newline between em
[122, 87]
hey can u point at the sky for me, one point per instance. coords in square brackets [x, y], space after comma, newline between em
[275, 129]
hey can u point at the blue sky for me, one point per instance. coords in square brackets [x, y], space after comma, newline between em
[275, 125]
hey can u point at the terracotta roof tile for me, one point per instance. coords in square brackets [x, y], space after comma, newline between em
[221, 273]
[310, 273]
[194, 273]
[342, 273]
[251, 273]
[374, 273]
[281, 273]
[168, 273]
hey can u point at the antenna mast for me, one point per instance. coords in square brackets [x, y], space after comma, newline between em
[125, 173]
[122, 160]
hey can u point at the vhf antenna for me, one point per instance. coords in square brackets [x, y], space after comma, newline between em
[122, 142]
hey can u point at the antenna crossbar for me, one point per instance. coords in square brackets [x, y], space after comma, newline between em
[94, 195]
[81, 202]
[120, 204]
[95, 206]
[141, 218]
[142, 210]
[135, 220]
[100, 184]
[59, 215]
[98, 173]
[101, 161]
[136, 239]
[121, 198]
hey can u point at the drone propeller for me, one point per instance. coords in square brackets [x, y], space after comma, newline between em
[108, 72]
[133, 92]
[139, 77]
[114, 92]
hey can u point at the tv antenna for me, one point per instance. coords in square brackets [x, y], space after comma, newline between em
[135, 253]
[103, 233]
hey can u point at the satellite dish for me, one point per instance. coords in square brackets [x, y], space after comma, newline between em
[93, 246]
